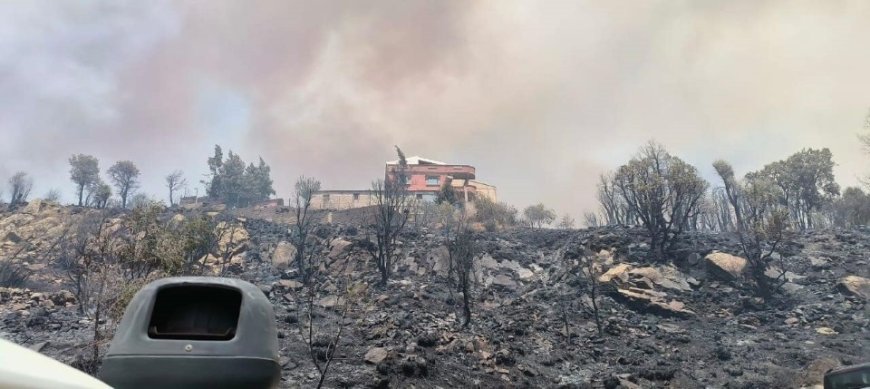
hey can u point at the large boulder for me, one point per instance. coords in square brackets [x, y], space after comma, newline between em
[376, 355]
[33, 207]
[339, 246]
[233, 237]
[666, 277]
[283, 255]
[490, 264]
[440, 257]
[654, 302]
[855, 285]
[617, 273]
[725, 266]
[505, 281]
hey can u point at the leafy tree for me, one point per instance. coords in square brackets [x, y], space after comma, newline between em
[143, 200]
[567, 222]
[174, 182]
[539, 215]
[213, 186]
[125, 176]
[236, 185]
[762, 223]
[142, 253]
[852, 209]
[197, 241]
[805, 181]
[663, 192]
[233, 189]
[99, 194]
[494, 215]
[259, 182]
[20, 185]
[84, 172]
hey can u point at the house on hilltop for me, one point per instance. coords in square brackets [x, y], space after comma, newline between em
[424, 180]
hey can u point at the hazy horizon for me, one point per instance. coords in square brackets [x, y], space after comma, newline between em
[540, 97]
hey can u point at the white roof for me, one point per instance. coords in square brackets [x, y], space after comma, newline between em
[417, 160]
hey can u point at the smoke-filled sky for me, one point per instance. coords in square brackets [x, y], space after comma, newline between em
[540, 96]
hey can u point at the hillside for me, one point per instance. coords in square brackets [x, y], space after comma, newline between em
[690, 321]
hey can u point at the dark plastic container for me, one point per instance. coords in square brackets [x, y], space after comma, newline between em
[195, 332]
[848, 377]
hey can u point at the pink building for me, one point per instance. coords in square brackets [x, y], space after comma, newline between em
[426, 176]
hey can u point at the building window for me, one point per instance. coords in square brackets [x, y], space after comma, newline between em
[419, 196]
[355, 196]
[433, 180]
[326, 199]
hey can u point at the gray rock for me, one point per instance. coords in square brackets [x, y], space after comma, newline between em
[283, 255]
[376, 355]
[725, 266]
[856, 286]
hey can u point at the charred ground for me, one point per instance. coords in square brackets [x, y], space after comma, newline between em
[682, 322]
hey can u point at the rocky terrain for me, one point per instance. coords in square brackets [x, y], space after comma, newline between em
[690, 321]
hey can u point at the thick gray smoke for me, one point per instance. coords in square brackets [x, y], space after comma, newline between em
[540, 96]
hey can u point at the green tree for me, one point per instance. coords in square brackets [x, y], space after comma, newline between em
[213, 185]
[494, 215]
[84, 172]
[125, 176]
[259, 181]
[852, 209]
[539, 215]
[99, 194]
[806, 183]
[663, 192]
[235, 184]
[761, 221]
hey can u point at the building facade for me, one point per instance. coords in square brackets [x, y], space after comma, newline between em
[424, 179]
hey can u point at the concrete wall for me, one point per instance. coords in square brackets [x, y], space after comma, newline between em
[484, 190]
[340, 200]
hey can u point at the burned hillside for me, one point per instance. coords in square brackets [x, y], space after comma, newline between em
[689, 320]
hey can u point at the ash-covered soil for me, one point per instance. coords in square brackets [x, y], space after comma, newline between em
[679, 323]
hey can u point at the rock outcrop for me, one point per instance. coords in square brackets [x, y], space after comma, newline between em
[857, 286]
[725, 266]
[282, 257]
[694, 322]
